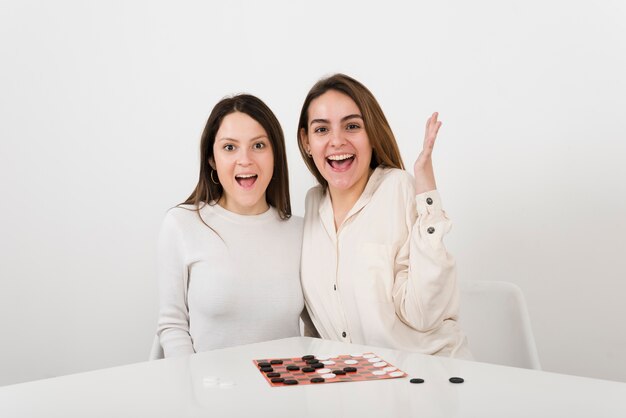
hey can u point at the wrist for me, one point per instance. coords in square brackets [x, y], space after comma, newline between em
[424, 178]
[424, 183]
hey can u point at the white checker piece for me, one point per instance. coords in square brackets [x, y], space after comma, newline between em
[396, 374]
[351, 362]
[379, 372]
[369, 355]
[380, 364]
[390, 369]
[322, 371]
[329, 375]
[327, 362]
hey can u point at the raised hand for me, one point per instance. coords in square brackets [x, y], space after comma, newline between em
[423, 167]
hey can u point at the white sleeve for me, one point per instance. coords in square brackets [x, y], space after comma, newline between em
[173, 276]
[425, 292]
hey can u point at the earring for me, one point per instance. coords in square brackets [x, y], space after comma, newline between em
[308, 151]
[212, 179]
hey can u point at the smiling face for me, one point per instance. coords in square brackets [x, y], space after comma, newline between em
[244, 161]
[338, 142]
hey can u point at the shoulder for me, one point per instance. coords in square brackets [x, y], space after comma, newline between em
[296, 221]
[395, 181]
[315, 193]
[395, 175]
[293, 222]
[314, 196]
[294, 225]
[186, 216]
[180, 212]
[285, 231]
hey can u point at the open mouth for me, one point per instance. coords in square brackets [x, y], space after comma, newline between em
[246, 180]
[340, 162]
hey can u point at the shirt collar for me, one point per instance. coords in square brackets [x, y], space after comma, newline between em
[326, 207]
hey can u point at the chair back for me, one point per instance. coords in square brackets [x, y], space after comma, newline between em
[156, 352]
[495, 319]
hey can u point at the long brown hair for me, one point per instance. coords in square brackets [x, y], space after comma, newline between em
[277, 193]
[385, 149]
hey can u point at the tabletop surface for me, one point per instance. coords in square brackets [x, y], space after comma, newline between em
[185, 387]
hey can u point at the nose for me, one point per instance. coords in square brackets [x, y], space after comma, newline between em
[243, 159]
[336, 138]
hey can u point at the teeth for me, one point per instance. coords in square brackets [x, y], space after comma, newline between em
[245, 176]
[340, 157]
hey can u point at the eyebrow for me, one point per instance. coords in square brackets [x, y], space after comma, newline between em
[345, 118]
[236, 140]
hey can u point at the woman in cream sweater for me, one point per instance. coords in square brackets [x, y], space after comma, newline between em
[374, 268]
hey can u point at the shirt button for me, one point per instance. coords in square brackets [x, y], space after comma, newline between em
[343, 334]
[429, 201]
[430, 230]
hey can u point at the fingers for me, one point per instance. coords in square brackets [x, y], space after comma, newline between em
[423, 167]
[432, 128]
[433, 124]
[432, 119]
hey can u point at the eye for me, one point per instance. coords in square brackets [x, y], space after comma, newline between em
[320, 130]
[353, 126]
[229, 147]
[259, 145]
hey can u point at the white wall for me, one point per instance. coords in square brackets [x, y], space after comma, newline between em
[102, 105]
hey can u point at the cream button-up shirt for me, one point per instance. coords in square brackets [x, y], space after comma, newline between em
[384, 278]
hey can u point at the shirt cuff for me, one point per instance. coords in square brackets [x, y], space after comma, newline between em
[428, 202]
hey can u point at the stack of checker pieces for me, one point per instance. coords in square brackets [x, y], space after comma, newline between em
[310, 369]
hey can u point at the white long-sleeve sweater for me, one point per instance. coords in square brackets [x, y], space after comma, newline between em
[218, 292]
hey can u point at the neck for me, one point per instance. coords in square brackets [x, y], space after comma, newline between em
[344, 199]
[260, 207]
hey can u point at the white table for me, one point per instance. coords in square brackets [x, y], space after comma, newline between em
[176, 388]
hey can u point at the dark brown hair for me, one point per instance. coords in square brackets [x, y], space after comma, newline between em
[277, 193]
[385, 150]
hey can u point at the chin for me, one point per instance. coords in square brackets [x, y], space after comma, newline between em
[341, 184]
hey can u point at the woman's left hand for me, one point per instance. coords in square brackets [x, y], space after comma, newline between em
[423, 167]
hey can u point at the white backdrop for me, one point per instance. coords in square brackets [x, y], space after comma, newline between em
[102, 105]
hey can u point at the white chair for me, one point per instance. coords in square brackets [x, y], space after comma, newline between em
[495, 319]
[156, 352]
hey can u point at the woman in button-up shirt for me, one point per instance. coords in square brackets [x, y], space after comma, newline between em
[374, 268]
